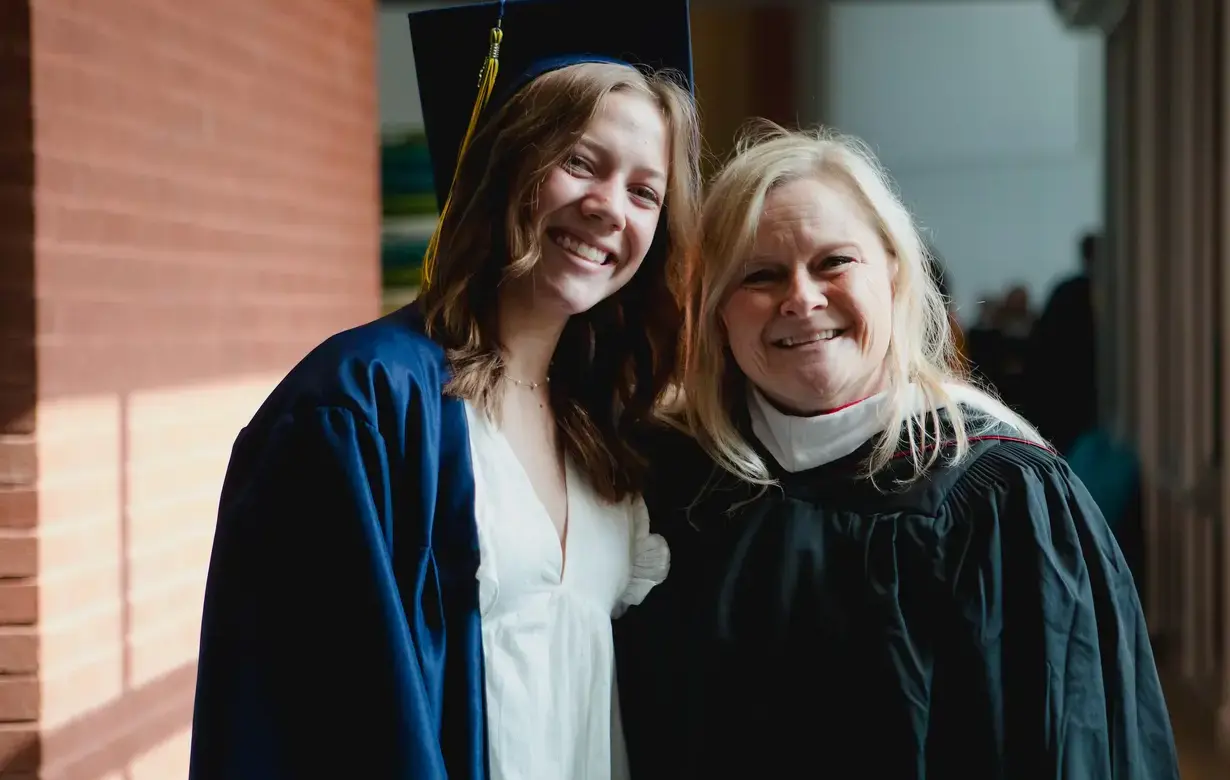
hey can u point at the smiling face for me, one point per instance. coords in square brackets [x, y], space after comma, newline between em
[599, 208]
[809, 319]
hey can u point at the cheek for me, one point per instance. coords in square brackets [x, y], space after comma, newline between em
[553, 192]
[644, 225]
[873, 299]
[884, 302]
[733, 316]
[744, 319]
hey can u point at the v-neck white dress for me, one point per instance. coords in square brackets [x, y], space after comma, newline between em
[552, 705]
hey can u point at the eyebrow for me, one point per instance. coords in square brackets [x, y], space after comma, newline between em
[602, 151]
[826, 250]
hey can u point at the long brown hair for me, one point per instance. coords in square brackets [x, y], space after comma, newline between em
[613, 362]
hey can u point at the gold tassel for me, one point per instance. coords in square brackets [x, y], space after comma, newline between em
[486, 84]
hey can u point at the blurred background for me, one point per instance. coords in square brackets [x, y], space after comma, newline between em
[194, 195]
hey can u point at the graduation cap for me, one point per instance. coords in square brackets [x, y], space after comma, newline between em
[470, 59]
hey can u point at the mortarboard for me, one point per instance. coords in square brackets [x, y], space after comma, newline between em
[469, 59]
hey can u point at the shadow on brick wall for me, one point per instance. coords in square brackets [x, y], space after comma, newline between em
[191, 243]
[105, 741]
[17, 316]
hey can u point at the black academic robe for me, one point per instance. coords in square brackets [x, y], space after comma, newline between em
[340, 634]
[980, 623]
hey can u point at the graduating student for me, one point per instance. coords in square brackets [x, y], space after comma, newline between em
[427, 527]
[877, 570]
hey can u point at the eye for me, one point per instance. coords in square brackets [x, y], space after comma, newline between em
[648, 194]
[757, 277]
[577, 164]
[833, 262]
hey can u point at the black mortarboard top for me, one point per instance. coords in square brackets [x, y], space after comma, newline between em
[471, 58]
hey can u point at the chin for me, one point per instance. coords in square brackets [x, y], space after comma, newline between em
[571, 292]
[572, 301]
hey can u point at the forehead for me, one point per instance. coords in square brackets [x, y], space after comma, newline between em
[813, 210]
[631, 123]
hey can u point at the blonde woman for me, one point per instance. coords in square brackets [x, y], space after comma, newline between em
[877, 570]
[426, 529]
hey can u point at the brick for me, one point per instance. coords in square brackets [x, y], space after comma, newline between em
[15, 54]
[19, 698]
[18, 602]
[18, 461]
[17, 410]
[19, 646]
[17, 357]
[17, 298]
[20, 748]
[20, 374]
[17, 316]
[18, 552]
[18, 508]
[17, 211]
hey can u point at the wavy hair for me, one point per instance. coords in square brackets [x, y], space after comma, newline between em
[615, 361]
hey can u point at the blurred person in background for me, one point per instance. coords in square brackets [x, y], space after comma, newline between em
[1063, 343]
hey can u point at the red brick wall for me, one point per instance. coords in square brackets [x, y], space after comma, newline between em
[19, 692]
[204, 211]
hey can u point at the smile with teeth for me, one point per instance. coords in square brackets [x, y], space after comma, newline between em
[579, 248]
[811, 338]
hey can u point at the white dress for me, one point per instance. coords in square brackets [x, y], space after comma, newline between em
[552, 705]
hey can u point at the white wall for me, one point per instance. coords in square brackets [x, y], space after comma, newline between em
[398, 83]
[989, 115]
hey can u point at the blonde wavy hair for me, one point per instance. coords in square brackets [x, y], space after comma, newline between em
[921, 355]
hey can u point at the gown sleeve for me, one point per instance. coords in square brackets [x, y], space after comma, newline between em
[308, 662]
[1049, 668]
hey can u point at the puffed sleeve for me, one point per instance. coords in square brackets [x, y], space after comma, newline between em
[651, 559]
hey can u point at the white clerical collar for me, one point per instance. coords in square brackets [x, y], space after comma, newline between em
[801, 443]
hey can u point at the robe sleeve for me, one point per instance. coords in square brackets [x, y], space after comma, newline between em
[1047, 670]
[308, 664]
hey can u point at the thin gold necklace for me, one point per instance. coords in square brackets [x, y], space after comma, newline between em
[529, 385]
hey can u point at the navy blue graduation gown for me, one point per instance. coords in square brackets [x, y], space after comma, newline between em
[340, 634]
[980, 623]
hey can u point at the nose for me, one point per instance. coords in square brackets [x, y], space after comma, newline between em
[804, 295]
[605, 203]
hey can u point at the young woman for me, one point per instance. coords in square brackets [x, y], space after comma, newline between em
[426, 529]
